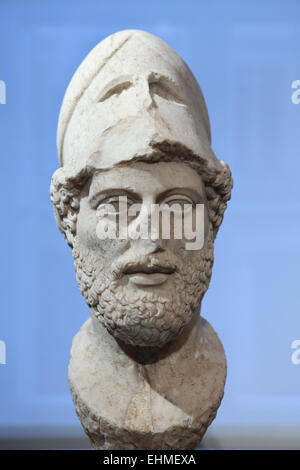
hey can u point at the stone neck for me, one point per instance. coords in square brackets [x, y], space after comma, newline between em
[147, 355]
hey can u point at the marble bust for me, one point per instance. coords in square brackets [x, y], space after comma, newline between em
[146, 370]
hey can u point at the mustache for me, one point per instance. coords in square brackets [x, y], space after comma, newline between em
[147, 264]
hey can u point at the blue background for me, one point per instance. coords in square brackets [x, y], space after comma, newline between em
[245, 56]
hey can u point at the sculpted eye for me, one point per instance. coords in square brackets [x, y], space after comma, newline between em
[114, 206]
[178, 203]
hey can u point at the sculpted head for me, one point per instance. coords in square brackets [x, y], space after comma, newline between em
[134, 124]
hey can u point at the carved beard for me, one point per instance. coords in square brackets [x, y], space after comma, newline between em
[140, 317]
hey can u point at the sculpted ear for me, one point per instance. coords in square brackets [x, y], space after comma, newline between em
[69, 238]
[65, 199]
[63, 228]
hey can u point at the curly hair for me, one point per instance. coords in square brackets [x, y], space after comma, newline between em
[65, 191]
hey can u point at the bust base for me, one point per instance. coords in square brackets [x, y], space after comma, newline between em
[165, 405]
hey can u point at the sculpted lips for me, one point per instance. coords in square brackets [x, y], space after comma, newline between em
[148, 275]
[139, 268]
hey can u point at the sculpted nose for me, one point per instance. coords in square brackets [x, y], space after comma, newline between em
[149, 247]
[151, 240]
[155, 246]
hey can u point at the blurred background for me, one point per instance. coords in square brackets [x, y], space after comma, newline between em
[245, 56]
